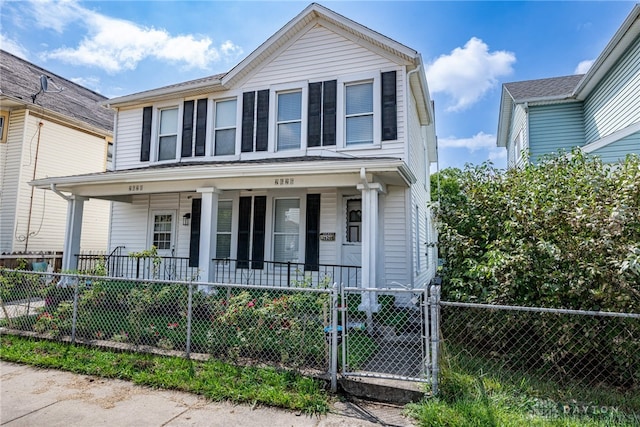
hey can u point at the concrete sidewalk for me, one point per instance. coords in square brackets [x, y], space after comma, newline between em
[44, 397]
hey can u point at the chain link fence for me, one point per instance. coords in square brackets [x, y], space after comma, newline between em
[384, 333]
[567, 360]
[284, 327]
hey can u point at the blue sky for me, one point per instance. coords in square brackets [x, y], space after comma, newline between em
[469, 48]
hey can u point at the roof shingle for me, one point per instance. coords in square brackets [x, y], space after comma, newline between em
[543, 88]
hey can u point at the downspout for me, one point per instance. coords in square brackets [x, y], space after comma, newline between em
[408, 151]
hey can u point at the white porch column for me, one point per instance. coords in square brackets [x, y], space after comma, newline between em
[370, 243]
[73, 231]
[208, 229]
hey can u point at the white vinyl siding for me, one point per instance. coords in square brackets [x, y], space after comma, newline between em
[328, 224]
[615, 103]
[128, 139]
[129, 222]
[10, 162]
[48, 211]
[518, 126]
[396, 250]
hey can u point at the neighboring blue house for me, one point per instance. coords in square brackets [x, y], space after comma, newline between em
[598, 111]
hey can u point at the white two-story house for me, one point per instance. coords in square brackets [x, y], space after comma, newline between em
[311, 154]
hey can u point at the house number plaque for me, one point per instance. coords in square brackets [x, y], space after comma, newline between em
[135, 188]
[283, 181]
[328, 237]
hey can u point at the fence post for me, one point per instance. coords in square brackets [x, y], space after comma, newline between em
[74, 321]
[434, 301]
[334, 338]
[189, 316]
[426, 337]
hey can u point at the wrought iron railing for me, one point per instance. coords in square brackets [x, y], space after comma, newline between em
[137, 267]
[284, 274]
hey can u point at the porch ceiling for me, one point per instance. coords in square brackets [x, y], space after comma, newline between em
[260, 174]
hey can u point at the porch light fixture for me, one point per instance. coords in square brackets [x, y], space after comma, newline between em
[186, 218]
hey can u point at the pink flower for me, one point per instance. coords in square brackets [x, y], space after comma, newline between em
[251, 304]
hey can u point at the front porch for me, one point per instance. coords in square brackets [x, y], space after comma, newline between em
[223, 270]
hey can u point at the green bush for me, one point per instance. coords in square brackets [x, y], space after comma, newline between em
[561, 234]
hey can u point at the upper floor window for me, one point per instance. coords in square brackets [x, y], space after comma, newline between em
[4, 124]
[359, 113]
[109, 156]
[289, 120]
[168, 134]
[225, 128]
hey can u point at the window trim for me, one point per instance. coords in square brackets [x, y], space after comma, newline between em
[211, 124]
[4, 115]
[301, 241]
[152, 214]
[341, 120]
[277, 122]
[274, 90]
[155, 129]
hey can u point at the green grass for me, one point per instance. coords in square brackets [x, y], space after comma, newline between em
[466, 400]
[213, 379]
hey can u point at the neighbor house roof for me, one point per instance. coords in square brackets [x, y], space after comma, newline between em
[567, 88]
[555, 87]
[20, 81]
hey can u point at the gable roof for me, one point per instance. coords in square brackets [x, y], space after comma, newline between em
[21, 80]
[569, 88]
[551, 88]
[311, 15]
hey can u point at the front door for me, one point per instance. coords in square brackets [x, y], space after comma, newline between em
[352, 237]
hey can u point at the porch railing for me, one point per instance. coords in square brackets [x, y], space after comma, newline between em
[117, 265]
[246, 272]
[283, 274]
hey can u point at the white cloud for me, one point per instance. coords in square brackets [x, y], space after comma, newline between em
[115, 44]
[479, 141]
[12, 46]
[468, 72]
[89, 82]
[584, 66]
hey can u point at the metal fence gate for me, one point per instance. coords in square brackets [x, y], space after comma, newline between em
[386, 333]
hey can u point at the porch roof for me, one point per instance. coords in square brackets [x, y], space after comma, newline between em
[267, 173]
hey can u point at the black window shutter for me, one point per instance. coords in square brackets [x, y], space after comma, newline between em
[314, 124]
[145, 147]
[201, 127]
[187, 128]
[259, 220]
[329, 113]
[194, 241]
[248, 102]
[244, 231]
[262, 121]
[389, 114]
[312, 238]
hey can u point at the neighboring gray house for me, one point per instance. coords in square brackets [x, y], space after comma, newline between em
[313, 152]
[598, 111]
[60, 130]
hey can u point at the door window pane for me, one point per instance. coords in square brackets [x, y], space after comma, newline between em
[354, 220]
[162, 228]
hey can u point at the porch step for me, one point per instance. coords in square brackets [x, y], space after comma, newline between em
[383, 390]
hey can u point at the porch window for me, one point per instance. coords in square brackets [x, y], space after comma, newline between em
[223, 237]
[225, 128]
[289, 120]
[162, 230]
[286, 235]
[168, 134]
[359, 113]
